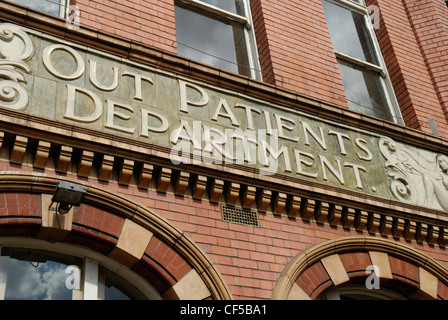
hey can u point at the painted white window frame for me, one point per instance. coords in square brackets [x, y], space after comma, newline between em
[4, 261]
[64, 6]
[381, 68]
[246, 21]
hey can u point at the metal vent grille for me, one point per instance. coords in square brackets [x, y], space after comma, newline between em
[239, 215]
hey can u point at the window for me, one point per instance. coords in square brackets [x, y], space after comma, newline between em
[35, 275]
[41, 274]
[218, 33]
[364, 75]
[54, 7]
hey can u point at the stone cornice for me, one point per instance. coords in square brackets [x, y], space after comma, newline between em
[65, 150]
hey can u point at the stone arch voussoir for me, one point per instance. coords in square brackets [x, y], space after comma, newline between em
[345, 260]
[116, 226]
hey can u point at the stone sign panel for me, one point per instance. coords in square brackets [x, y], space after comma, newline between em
[50, 78]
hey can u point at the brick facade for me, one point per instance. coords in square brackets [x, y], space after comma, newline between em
[148, 22]
[411, 78]
[304, 63]
[428, 21]
[298, 64]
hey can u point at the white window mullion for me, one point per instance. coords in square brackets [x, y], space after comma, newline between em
[364, 64]
[63, 8]
[390, 96]
[353, 5]
[220, 12]
[4, 261]
[90, 288]
[254, 61]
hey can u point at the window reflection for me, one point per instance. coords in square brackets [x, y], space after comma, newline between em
[352, 291]
[211, 41]
[27, 274]
[364, 75]
[37, 275]
[349, 33]
[364, 91]
[115, 288]
[54, 7]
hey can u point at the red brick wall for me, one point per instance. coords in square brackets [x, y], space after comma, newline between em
[150, 22]
[295, 49]
[249, 258]
[429, 20]
[412, 82]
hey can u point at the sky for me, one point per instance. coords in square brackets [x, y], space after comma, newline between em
[36, 281]
[49, 6]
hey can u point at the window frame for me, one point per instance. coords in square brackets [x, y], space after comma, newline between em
[246, 21]
[381, 68]
[64, 7]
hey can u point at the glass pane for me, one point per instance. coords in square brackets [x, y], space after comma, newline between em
[349, 32]
[364, 90]
[48, 6]
[211, 41]
[234, 6]
[37, 275]
[117, 288]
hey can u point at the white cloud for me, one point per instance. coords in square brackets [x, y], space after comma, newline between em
[51, 7]
[36, 281]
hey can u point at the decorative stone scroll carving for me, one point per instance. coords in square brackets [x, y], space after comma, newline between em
[16, 47]
[416, 176]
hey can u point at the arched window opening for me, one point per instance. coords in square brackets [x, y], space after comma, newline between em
[37, 273]
[362, 268]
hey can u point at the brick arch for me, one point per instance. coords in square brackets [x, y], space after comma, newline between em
[346, 261]
[116, 227]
